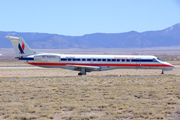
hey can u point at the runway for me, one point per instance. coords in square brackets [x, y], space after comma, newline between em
[177, 65]
[20, 67]
[33, 67]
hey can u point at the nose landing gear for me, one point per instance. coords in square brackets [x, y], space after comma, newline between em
[162, 72]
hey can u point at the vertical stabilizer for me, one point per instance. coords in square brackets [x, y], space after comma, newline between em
[20, 46]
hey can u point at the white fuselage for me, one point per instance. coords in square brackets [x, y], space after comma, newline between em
[104, 62]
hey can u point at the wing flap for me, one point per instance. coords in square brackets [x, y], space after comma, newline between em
[86, 67]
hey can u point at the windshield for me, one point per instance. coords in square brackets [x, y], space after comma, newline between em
[154, 60]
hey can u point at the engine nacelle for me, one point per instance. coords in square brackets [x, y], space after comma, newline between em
[47, 58]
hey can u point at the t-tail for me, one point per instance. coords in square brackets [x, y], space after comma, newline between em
[20, 47]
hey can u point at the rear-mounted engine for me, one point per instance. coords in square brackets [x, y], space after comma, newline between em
[47, 58]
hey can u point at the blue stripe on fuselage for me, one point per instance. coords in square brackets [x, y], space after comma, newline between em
[134, 60]
[26, 58]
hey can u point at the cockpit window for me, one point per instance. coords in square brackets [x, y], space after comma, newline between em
[154, 60]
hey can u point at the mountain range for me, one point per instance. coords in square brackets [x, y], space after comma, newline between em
[168, 37]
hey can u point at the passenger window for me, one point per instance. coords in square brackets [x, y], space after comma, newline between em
[103, 60]
[83, 59]
[133, 60]
[63, 59]
[88, 59]
[113, 60]
[94, 59]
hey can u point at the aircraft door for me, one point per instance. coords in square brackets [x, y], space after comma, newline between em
[91, 60]
[138, 62]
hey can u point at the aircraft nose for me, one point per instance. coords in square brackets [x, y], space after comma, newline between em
[170, 65]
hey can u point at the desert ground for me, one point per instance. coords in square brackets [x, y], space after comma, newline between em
[90, 97]
[60, 94]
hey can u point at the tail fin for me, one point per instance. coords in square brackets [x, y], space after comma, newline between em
[20, 46]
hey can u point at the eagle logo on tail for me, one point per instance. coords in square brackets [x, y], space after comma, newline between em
[21, 48]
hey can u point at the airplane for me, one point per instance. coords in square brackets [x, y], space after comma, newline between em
[85, 63]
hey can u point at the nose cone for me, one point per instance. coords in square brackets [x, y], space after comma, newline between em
[169, 65]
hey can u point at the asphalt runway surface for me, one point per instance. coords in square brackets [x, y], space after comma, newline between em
[21, 67]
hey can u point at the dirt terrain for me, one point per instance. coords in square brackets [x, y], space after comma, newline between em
[90, 97]
[116, 94]
[60, 94]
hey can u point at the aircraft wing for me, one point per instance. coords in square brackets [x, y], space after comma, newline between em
[91, 68]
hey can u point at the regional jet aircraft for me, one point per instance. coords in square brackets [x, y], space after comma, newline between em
[85, 63]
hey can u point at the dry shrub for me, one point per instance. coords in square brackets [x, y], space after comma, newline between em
[111, 97]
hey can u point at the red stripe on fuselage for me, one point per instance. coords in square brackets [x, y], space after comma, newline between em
[95, 64]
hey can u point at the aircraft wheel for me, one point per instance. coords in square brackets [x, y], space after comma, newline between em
[79, 73]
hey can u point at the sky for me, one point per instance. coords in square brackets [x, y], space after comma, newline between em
[79, 17]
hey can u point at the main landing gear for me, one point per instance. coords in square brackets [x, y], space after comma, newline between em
[79, 73]
[83, 72]
[162, 72]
